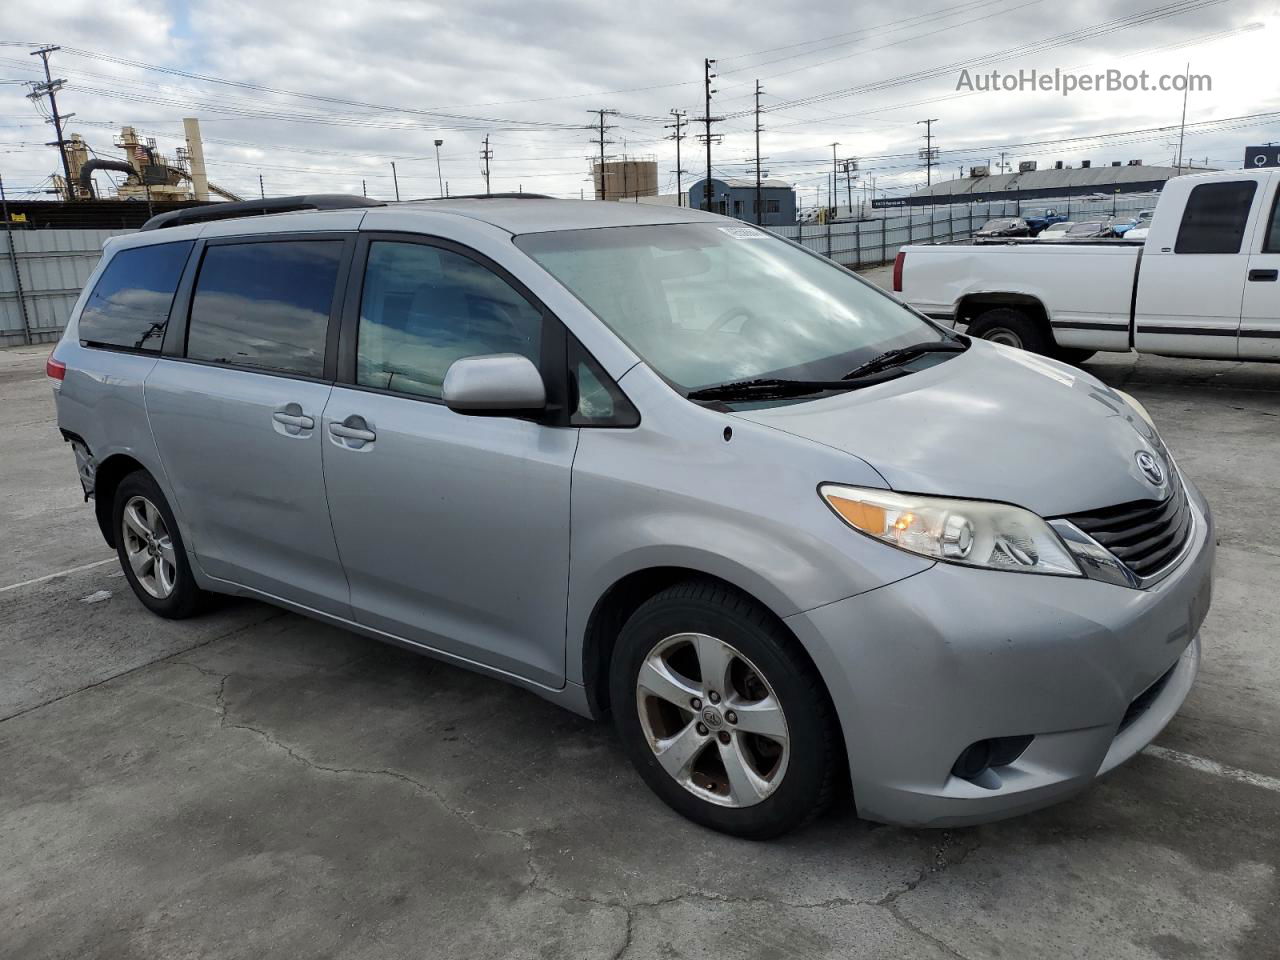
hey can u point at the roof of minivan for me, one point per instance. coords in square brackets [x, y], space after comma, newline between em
[518, 215]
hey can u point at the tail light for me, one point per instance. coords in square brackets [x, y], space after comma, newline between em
[898, 261]
[55, 370]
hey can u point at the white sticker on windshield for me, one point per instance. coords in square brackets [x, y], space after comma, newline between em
[744, 233]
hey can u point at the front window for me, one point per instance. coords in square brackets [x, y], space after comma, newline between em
[705, 304]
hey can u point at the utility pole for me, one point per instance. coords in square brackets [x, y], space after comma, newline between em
[849, 166]
[603, 192]
[364, 190]
[439, 175]
[395, 179]
[1182, 133]
[486, 155]
[13, 263]
[707, 137]
[759, 190]
[928, 154]
[834, 189]
[49, 89]
[677, 136]
[262, 193]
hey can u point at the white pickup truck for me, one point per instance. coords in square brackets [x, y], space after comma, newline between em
[1203, 284]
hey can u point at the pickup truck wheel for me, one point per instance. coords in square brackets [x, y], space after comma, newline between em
[1013, 328]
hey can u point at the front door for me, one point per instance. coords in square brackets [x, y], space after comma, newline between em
[1189, 296]
[1260, 318]
[453, 529]
[236, 418]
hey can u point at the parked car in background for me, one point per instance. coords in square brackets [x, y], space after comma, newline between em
[1204, 282]
[1056, 231]
[1004, 227]
[1142, 218]
[1089, 229]
[654, 464]
[1137, 233]
[1037, 222]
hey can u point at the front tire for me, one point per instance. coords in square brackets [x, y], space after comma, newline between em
[150, 549]
[721, 714]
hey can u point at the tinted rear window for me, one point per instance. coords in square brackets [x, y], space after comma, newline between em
[1215, 217]
[129, 306]
[265, 305]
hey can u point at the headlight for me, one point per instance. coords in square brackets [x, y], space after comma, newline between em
[975, 533]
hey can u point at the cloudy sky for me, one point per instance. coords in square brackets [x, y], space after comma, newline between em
[322, 96]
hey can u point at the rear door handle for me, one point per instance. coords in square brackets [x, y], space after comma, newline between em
[299, 420]
[352, 433]
[1264, 274]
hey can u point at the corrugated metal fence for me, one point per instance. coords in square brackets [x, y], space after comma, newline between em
[53, 265]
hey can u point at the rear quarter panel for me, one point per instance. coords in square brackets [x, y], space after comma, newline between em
[1086, 291]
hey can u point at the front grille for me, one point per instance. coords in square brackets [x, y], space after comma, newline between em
[1144, 535]
[1144, 700]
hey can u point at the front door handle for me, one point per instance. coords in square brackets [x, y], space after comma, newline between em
[350, 431]
[1264, 274]
[299, 420]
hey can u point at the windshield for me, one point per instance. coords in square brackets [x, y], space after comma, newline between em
[1084, 229]
[997, 224]
[705, 304]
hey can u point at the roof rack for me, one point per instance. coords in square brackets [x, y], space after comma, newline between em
[259, 208]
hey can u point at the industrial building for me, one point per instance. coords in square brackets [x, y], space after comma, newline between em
[1029, 183]
[736, 197]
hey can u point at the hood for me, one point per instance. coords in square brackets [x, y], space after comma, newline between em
[993, 423]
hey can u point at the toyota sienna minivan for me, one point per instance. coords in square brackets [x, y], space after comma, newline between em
[655, 464]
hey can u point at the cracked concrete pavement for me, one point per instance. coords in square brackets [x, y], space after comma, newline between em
[250, 783]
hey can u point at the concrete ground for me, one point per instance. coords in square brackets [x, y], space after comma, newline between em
[251, 784]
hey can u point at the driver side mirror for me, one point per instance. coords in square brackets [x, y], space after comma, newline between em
[494, 384]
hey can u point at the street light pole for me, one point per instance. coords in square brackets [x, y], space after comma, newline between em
[439, 175]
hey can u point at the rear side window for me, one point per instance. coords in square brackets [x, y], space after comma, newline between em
[265, 305]
[129, 306]
[1215, 217]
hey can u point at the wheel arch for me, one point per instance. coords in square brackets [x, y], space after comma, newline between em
[107, 478]
[622, 598]
[973, 305]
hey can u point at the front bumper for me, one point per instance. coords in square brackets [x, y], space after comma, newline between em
[922, 668]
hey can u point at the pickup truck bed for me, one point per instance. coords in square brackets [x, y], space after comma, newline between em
[1203, 284]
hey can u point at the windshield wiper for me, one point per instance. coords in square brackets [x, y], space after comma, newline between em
[773, 388]
[893, 358]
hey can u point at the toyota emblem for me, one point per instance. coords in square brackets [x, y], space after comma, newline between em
[1150, 467]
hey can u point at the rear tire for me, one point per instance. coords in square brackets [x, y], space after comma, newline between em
[151, 550]
[721, 664]
[1013, 328]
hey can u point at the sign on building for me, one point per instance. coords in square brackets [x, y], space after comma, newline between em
[1268, 156]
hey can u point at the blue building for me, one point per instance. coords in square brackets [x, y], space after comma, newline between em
[736, 197]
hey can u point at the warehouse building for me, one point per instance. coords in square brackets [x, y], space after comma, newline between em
[1029, 183]
[736, 197]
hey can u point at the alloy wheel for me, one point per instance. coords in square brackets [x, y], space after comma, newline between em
[149, 548]
[712, 720]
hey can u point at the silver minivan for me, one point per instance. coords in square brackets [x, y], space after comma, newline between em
[654, 464]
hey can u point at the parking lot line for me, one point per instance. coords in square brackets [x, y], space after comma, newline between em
[1213, 767]
[60, 573]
